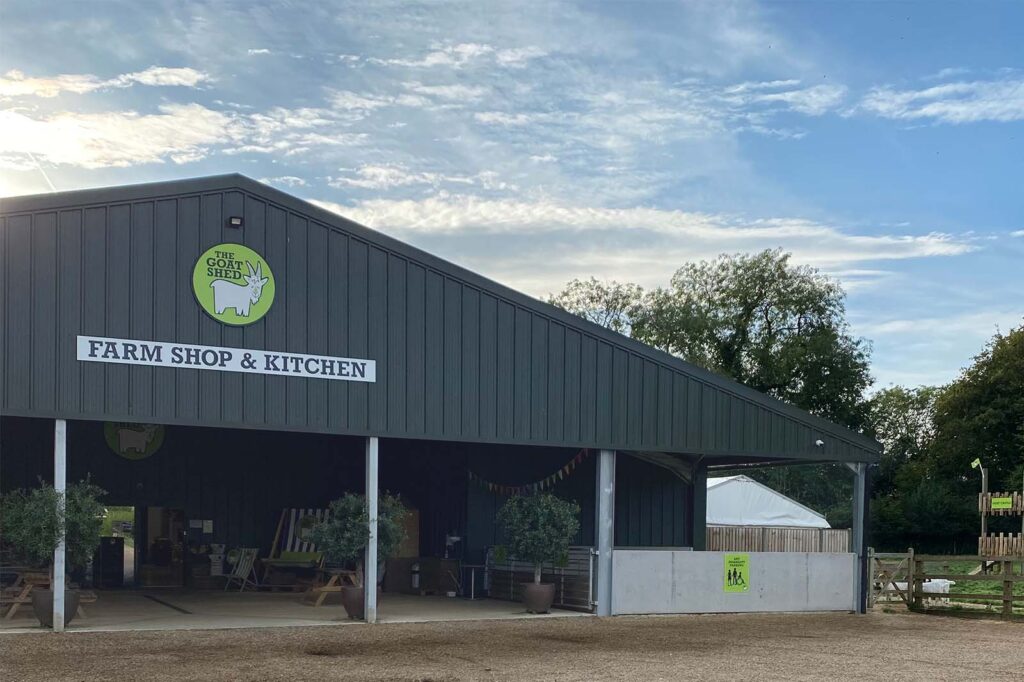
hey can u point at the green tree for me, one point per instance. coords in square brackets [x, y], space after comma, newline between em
[343, 536]
[539, 528]
[981, 415]
[901, 419]
[774, 326]
[759, 319]
[33, 520]
[610, 304]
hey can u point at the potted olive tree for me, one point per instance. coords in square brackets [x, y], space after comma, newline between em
[33, 520]
[539, 529]
[343, 537]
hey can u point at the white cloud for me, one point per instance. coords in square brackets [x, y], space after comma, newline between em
[383, 177]
[179, 132]
[813, 101]
[465, 93]
[257, 51]
[959, 102]
[286, 180]
[351, 101]
[544, 243]
[518, 56]
[15, 83]
[1017, 233]
[447, 55]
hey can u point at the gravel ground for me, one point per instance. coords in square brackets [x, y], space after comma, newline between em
[772, 646]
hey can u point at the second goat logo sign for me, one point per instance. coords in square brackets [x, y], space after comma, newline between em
[233, 284]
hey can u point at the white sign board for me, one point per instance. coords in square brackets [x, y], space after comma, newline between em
[191, 356]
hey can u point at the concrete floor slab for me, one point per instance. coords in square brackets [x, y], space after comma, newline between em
[184, 609]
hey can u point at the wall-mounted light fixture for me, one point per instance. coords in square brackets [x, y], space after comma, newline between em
[235, 221]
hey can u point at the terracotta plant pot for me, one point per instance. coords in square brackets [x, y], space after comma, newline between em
[538, 596]
[352, 600]
[42, 604]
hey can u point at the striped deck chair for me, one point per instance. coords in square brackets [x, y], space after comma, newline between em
[292, 548]
[244, 571]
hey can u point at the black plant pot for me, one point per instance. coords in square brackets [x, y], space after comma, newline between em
[42, 604]
[538, 597]
[353, 601]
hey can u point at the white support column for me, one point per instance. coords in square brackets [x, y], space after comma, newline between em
[604, 529]
[370, 564]
[60, 452]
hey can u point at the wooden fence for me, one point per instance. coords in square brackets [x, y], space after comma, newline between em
[1009, 544]
[777, 539]
[901, 577]
[1015, 508]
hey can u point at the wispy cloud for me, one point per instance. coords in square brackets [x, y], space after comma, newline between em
[544, 243]
[286, 181]
[179, 132]
[16, 84]
[442, 55]
[958, 102]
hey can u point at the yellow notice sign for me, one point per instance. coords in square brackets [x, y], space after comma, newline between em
[1002, 503]
[737, 573]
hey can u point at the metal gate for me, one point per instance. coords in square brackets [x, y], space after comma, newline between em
[574, 581]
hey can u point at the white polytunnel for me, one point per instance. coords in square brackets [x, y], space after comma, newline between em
[742, 501]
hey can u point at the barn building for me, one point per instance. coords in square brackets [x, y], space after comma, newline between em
[213, 353]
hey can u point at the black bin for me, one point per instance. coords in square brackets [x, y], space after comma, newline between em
[108, 566]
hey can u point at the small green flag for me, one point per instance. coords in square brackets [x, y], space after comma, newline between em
[976, 463]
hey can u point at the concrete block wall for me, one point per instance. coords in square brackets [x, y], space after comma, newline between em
[672, 581]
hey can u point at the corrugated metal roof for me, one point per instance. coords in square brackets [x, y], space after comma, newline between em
[636, 397]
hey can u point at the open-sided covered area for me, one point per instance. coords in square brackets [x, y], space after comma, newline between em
[224, 360]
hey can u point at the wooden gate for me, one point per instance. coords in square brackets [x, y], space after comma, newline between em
[892, 574]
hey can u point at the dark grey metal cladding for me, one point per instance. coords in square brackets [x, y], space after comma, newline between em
[458, 357]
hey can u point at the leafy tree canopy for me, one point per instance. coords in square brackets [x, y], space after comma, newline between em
[343, 536]
[539, 528]
[610, 304]
[758, 319]
[981, 414]
[33, 520]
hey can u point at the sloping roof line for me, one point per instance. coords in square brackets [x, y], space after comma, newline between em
[170, 188]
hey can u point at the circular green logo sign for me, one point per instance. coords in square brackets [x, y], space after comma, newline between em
[233, 284]
[133, 441]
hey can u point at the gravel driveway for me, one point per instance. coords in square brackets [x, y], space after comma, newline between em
[733, 647]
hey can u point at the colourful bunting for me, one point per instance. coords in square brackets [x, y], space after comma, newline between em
[535, 487]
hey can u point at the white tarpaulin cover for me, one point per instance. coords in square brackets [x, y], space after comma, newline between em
[742, 501]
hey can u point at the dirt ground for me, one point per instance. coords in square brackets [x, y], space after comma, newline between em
[776, 646]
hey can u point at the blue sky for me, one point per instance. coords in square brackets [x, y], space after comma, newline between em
[536, 142]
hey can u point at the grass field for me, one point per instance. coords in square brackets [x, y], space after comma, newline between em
[118, 515]
[964, 590]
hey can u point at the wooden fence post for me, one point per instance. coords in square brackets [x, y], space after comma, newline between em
[1007, 590]
[871, 578]
[911, 579]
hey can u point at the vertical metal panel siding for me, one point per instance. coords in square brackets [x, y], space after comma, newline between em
[453, 361]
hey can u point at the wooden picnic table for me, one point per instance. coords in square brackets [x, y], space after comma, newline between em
[20, 592]
[335, 581]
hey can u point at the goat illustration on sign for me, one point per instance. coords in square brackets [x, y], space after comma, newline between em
[230, 295]
[233, 284]
[133, 441]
